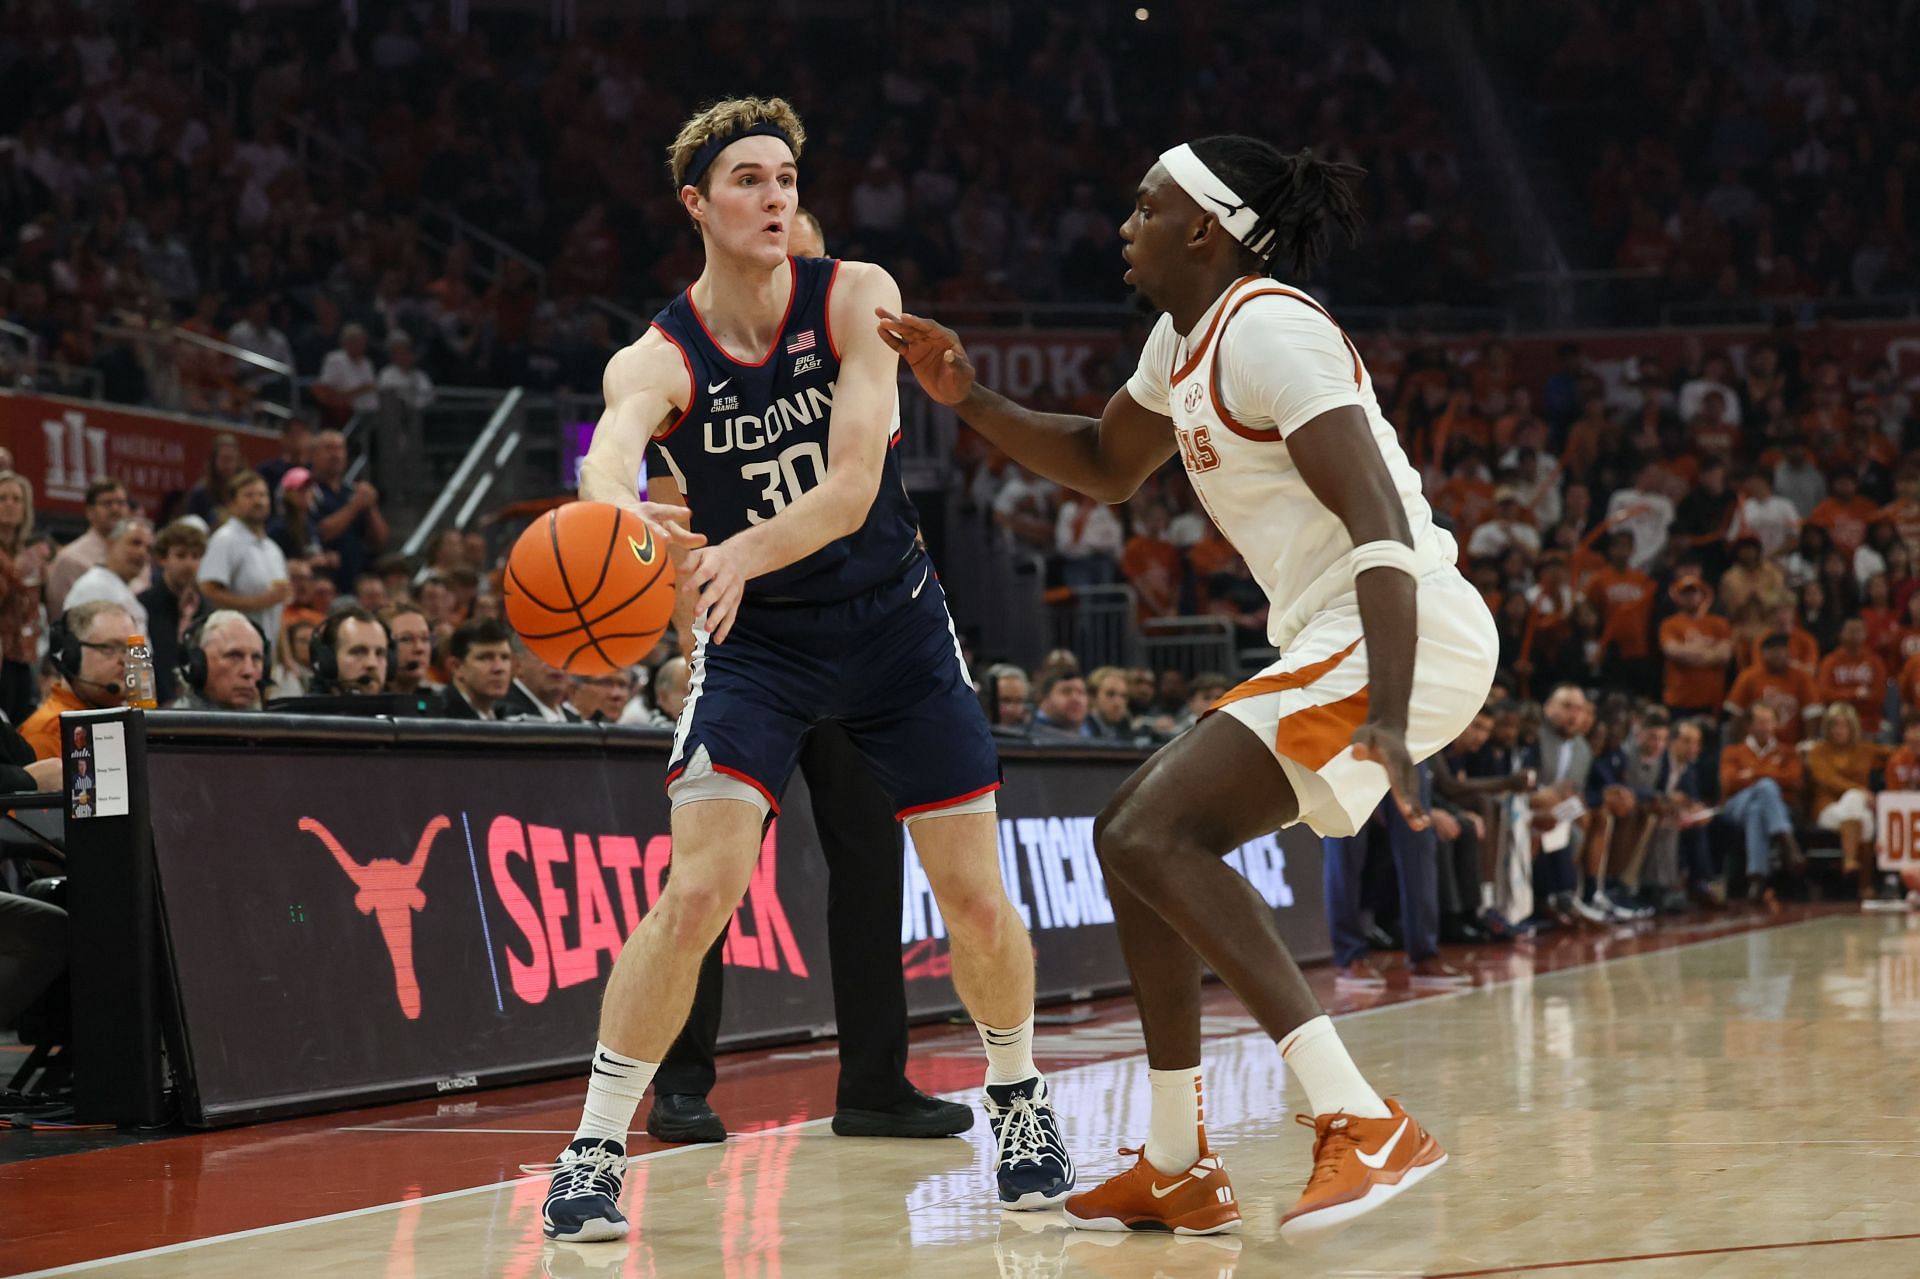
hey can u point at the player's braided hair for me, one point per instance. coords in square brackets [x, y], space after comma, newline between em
[1300, 197]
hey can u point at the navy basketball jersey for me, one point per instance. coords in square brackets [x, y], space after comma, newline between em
[755, 437]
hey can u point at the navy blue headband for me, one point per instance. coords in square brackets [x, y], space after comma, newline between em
[712, 147]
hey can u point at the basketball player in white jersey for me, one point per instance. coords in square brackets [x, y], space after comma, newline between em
[1386, 650]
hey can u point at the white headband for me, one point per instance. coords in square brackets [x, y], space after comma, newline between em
[1216, 197]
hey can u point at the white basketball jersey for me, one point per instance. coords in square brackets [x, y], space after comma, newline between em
[1265, 360]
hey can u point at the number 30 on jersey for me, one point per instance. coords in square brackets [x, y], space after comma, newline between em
[784, 479]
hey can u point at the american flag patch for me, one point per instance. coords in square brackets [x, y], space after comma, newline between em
[802, 341]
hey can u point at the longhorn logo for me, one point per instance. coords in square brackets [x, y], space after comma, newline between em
[390, 892]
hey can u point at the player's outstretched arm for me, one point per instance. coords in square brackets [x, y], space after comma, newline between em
[1337, 457]
[1107, 457]
[638, 388]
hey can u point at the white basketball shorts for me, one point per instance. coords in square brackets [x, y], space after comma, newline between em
[1307, 705]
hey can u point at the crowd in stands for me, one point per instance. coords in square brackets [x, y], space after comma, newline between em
[1735, 151]
[275, 589]
[138, 192]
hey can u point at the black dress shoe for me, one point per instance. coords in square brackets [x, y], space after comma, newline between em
[915, 1115]
[684, 1118]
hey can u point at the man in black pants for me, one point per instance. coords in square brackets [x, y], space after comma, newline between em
[863, 848]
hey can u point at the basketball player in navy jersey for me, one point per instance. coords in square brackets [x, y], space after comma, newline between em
[771, 399]
[860, 842]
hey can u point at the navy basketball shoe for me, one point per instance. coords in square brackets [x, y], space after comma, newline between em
[583, 1201]
[1033, 1167]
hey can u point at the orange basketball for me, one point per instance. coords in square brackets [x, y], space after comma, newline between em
[589, 588]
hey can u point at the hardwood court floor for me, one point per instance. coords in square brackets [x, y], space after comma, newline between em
[1721, 1099]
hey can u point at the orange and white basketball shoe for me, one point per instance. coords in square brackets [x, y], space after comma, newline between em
[1358, 1165]
[1199, 1201]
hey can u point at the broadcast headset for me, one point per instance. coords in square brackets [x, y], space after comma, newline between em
[66, 650]
[326, 659]
[193, 658]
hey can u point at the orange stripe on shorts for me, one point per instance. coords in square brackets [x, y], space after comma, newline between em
[1315, 735]
[1300, 677]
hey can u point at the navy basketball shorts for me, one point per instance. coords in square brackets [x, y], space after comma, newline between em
[886, 664]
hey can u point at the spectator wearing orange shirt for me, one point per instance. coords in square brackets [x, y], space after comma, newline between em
[1696, 645]
[1854, 673]
[1845, 514]
[1459, 422]
[1841, 765]
[1803, 650]
[1207, 558]
[1883, 622]
[1153, 565]
[1468, 493]
[1775, 682]
[1907, 685]
[1760, 784]
[1902, 769]
[1624, 596]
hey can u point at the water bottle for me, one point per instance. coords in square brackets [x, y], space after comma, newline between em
[142, 691]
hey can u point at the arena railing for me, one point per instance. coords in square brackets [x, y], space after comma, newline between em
[1197, 644]
[23, 368]
[240, 397]
[475, 477]
[1097, 623]
[1900, 306]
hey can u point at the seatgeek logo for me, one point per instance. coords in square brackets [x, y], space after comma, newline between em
[1053, 877]
[568, 930]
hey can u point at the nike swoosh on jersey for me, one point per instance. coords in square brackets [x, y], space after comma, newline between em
[1378, 1159]
[1161, 1192]
[923, 582]
[715, 387]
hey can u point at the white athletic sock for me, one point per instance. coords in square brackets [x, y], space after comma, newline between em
[615, 1085]
[1009, 1052]
[1314, 1053]
[1176, 1132]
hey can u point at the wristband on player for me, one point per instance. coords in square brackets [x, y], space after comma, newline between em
[1385, 554]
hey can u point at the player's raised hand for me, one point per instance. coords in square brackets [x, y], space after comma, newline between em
[933, 351]
[1388, 748]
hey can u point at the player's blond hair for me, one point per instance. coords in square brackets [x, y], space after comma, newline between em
[730, 116]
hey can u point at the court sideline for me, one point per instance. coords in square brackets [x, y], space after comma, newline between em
[1558, 1160]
